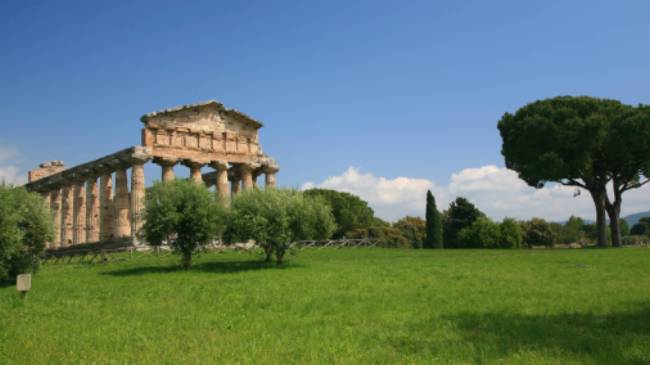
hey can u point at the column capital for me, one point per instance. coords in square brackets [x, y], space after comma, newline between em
[192, 163]
[219, 165]
[165, 161]
[270, 169]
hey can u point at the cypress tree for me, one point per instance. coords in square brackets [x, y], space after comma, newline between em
[433, 225]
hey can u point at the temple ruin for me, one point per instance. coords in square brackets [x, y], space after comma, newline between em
[92, 202]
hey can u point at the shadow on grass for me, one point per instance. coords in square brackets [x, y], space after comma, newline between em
[613, 338]
[219, 267]
[7, 283]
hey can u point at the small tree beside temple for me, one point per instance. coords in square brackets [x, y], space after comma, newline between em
[184, 214]
[275, 218]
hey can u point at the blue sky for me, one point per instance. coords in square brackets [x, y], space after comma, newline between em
[393, 89]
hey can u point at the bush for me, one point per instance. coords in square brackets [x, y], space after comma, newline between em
[24, 228]
[642, 227]
[461, 214]
[538, 232]
[512, 236]
[350, 212]
[572, 231]
[184, 214]
[483, 233]
[274, 218]
[385, 235]
[636, 240]
[413, 229]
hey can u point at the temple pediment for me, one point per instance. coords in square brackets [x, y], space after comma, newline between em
[206, 117]
[204, 131]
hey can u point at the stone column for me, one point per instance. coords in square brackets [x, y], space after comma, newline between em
[246, 176]
[167, 168]
[122, 223]
[235, 180]
[92, 211]
[221, 170]
[79, 214]
[106, 207]
[270, 172]
[55, 206]
[137, 198]
[47, 204]
[195, 171]
[66, 216]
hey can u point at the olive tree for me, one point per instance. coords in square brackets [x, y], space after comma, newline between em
[275, 218]
[185, 215]
[24, 228]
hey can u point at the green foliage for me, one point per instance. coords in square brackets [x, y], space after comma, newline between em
[433, 238]
[557, 139]
[642, 227]
[512, 236]
[482, 233]
[580, 141]
[275, 218]
[538, 232]
[636, 240]
[349, 210]
[184, 214]
[24, 228]
[572, 231]
[413, 229]
[625, 227]
[461, 214]
[386, 235]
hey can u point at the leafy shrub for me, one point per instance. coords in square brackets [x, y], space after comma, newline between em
[512, 236]
[387, 236]
[538, 232]
[184, 214]
[24, 228]
[642, 227]
[413, 229]
[276, 217]
[636, 240]
[482, 233]
[572, 231]
[461, 214]
[350, 212]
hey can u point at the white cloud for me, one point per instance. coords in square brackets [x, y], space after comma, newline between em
[495, 190]
[390, 198]
[10, 173]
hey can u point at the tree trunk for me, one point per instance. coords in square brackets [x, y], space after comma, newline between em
[614, 213]
[598, 197]
[186, 260]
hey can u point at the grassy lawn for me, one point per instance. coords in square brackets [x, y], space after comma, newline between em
[338, 306]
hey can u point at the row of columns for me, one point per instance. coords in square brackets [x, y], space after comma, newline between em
[83, 212]
[94, 210]
[238, 177]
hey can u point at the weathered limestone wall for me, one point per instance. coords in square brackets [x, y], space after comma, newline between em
[44, 170]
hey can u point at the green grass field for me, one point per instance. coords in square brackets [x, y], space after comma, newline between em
[340, 306]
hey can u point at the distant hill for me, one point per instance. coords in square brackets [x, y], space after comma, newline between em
[632, 219]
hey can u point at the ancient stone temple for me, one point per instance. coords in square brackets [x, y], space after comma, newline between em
[93, 202]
